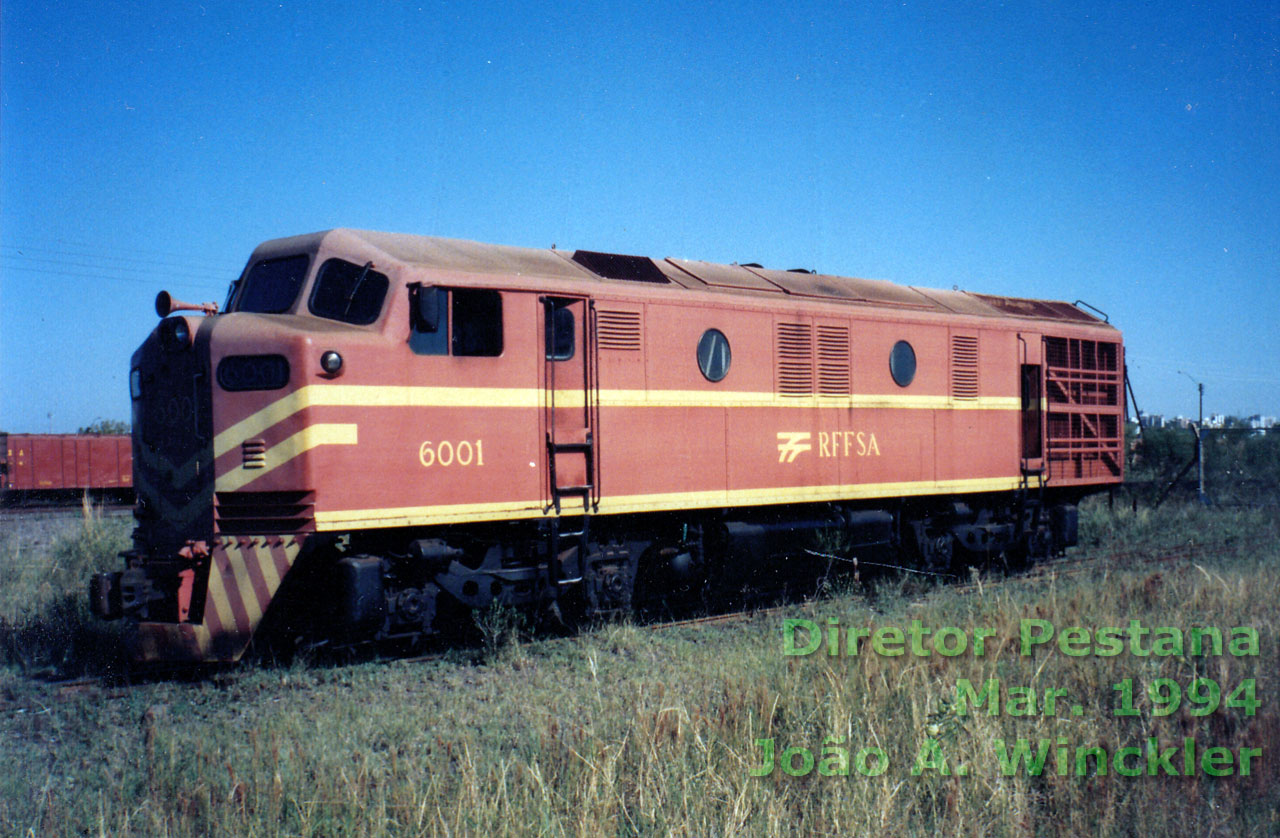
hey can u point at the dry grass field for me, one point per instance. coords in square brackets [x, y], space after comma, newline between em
[631, 730]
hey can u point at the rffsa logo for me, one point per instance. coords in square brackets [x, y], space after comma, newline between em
[793, 443]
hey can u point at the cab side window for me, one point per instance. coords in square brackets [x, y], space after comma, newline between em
[466, 322]
[558, 320]
[476, 315]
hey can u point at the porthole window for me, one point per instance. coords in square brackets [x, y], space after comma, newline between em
[902, 363]
[713, 355]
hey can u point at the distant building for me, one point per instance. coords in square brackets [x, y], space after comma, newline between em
[1215, 420]
[1260, 422]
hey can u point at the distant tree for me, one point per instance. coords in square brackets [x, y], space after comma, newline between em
[1232, 458]
[105, 426]
[1161, 452]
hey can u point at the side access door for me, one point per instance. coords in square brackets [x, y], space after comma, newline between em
[1031, 369]
[570, 404]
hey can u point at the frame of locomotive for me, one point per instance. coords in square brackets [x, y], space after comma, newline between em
[408, 427]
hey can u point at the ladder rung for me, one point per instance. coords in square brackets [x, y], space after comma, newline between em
[571, 447]
[574, 490]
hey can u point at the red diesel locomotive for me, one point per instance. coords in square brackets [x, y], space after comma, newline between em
[382, 431]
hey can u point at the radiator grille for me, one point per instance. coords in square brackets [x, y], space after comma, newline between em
[1082, 354]
[262, 513]
[1084, 427]
[1082, 372]
[964, 367]
[795, 359]
[618, 330]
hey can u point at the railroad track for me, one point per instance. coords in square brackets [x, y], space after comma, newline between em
[56, 513]
[1054, 568]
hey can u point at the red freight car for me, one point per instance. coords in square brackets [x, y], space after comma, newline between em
[37, 465]
[403, 426]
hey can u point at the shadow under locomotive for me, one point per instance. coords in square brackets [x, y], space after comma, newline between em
[363, 593]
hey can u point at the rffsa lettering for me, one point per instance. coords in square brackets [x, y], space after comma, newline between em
[848, 444]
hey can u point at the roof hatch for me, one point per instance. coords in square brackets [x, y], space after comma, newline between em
[618, 266]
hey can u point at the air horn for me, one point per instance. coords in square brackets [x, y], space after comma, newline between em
[166, 305]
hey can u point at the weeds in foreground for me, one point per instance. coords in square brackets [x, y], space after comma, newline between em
[626, 731]
[45, 624]
[501, 629]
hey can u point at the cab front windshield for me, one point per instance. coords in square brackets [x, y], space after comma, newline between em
[271, 286]
[343, 291]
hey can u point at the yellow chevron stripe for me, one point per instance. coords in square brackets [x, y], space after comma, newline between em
[179, 518]
[217, 596]
[280, 453]
[269, 573]
[182, 474]
[237, 559]
[240, 558]
[454, 513]
[355, 395]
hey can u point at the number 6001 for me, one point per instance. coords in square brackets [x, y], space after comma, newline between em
[446, 453]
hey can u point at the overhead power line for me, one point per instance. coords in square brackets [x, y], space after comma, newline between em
[62, 245]
[135, 266]
[174, 280]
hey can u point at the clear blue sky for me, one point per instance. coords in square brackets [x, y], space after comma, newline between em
[1127, 154]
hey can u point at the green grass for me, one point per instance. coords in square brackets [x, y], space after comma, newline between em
[45, 624]
[625, 730]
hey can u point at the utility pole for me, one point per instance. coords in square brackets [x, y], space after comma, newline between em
[1200, 495]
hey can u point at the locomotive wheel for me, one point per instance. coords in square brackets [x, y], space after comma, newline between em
[669, 581]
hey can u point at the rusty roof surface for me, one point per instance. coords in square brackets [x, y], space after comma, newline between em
[474, 257]
[1049, 309]
[724, 276]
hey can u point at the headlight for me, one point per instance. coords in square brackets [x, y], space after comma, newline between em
[331, 362]
[175, 334]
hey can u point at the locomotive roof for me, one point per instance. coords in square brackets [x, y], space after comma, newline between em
[475, 257]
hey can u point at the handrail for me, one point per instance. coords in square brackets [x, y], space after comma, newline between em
[1105, 318]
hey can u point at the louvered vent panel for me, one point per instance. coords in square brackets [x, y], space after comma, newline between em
[253, 453]
[964, 367]
[833, 361]
[619, 330]
[795, 359]
[262, 513]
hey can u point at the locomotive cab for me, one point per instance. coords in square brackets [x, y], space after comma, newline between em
[252, 440]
